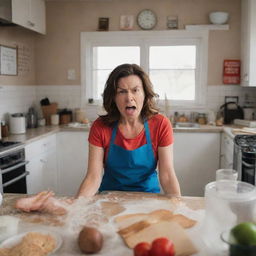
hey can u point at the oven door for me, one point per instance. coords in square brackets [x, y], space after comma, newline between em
[248, 173]
[14, 178]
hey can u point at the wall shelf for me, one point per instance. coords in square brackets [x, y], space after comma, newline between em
[207, 27]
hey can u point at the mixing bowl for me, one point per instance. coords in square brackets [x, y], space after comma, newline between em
[218, 18]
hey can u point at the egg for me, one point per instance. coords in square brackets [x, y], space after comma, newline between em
[90, 240]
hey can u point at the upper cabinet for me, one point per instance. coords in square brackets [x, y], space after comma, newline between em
[248, 43]
[29, 14]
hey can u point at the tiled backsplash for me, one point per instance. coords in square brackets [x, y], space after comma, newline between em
[19, 98]
[15, 99]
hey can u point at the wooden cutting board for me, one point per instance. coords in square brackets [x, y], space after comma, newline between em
[144, 231]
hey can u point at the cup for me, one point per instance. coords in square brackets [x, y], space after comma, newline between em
[227, 203]
[226, 174]
[55, 119]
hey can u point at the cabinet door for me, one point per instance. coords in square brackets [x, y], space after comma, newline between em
[42, 165]
[42, 173]
[248, 42]
[196, 159]
[29, 14]
[72, 161]
[37, 15]
[35, 177]
[20, 12]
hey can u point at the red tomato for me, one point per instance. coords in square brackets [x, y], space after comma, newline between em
[162, 247]
[142, 249]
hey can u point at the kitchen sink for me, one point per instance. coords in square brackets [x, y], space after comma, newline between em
[186, 125]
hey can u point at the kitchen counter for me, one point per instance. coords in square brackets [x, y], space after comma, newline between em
[34, 134]
[100, 212]
[202, 128]
[40, 132]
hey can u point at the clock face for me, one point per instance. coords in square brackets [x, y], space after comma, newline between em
[146, 19]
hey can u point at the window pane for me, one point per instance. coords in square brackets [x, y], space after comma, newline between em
[100, 77]
[105, 59]
[110, 57]
[175, 84]
[172, 71]
[172, 57]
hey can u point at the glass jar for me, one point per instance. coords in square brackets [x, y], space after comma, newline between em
[202, 119]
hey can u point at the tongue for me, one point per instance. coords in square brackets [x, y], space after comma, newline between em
[130, 111]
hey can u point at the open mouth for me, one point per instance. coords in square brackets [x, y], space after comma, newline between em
[130, 109]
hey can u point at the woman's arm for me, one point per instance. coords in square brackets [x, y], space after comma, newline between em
[167, 176]
[92, 180]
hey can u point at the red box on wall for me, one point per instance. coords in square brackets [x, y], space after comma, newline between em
[231, 71]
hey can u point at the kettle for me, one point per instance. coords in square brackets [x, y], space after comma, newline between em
[31, 118]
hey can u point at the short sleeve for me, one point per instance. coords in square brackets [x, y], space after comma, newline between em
[96, 134]
[165, 135]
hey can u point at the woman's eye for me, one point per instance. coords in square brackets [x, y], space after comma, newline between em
[121, 92]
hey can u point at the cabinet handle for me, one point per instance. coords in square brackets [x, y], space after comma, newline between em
[30, 23]
[43, 161]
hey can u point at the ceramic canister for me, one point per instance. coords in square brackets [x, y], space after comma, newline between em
[17, 124]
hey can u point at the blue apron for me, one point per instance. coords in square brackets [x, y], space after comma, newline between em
[130, 170]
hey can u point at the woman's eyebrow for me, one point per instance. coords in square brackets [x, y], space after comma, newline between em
[120, 88]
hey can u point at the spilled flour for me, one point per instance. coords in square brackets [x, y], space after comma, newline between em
[91, 212]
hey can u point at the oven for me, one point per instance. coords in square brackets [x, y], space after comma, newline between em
[245, 157]
[13, 171]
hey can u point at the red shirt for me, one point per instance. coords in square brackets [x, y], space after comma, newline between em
[160, 128]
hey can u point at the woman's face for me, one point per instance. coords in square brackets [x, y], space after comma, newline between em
[130, 97]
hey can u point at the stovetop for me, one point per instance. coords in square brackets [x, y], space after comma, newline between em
[8, 145]
[246, 142]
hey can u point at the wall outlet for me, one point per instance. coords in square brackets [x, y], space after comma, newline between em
[71, 74]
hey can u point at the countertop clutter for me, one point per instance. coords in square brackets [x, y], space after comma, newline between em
[113, 214]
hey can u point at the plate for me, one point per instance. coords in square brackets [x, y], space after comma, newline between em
[11, 241]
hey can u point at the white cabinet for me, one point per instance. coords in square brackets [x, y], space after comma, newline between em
[196, 159]
[227, 150]
[248, 42]
[29, 14]
[72, 160]
[42, 165]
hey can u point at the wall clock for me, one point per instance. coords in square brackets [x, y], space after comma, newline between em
[147, 19]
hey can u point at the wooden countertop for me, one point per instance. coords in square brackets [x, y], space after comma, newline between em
[100, 212]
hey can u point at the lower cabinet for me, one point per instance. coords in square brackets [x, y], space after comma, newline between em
[42, 166]
[196, 159]
[72, 161]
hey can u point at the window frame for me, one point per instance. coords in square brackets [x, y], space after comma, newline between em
[145, 39]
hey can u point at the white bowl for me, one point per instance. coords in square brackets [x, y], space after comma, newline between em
[218, 18]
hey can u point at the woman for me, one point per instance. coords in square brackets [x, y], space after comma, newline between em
[127, 142]
[130, 139]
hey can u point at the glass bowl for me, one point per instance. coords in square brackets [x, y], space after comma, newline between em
[237, 249]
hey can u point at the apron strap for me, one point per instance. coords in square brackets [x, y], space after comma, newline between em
[113, 134]
[147, 132]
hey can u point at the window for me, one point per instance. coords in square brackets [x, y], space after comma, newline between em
[105, 59]
[176, 62]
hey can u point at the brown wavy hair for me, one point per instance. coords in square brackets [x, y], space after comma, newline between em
[149, 106]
